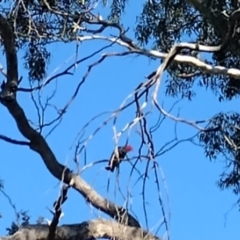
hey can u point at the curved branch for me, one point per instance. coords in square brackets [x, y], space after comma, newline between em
[86, 230]
[39, 144]
[193, 61]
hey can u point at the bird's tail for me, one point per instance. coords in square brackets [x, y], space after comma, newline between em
[109, 168]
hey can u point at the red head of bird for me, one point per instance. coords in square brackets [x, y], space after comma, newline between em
[128, 148]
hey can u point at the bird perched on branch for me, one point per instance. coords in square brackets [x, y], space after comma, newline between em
[117, 157]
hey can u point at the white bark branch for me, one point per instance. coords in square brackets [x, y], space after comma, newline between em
[193, 61]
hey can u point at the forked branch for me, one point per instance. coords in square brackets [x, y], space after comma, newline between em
[39, 144]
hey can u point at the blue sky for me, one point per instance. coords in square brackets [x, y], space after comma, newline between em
[198, 209]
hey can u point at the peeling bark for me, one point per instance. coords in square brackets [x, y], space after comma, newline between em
[86, 230]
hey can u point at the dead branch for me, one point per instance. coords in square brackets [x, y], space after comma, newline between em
[13, 141]
[58, 212]
[39, 144]
[16, 212]
[65, 71]
[193, 61]
[86, 230]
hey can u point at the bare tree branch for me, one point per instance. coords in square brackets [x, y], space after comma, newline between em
[39, 144]
[16, 212]
[13, 141]
[58, 212]
[84, 231]
[193, 61]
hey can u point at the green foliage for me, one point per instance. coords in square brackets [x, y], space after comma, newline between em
[159, 25]
[36, 27]
[117, 8]
[225, 142]
[163, 23]
[40, 220]
[22, 220]
[36, 58]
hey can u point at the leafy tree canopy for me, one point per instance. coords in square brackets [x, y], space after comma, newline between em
[160, 26]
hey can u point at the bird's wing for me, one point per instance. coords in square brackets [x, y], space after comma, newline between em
[112, 159]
